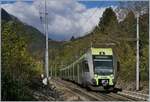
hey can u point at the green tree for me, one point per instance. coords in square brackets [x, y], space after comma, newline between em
[17, 66]
[108, 19]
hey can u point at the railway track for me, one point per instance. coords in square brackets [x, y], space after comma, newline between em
[135, 95]
[84, 95]
[81, 95]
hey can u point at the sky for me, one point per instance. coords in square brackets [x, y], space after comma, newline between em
[66, 18]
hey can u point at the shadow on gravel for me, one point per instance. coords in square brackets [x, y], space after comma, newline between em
[115, 90]
[105, 91]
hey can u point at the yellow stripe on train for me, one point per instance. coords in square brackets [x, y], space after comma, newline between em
[101, 51]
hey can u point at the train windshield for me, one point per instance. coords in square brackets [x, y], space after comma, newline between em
[103, 66]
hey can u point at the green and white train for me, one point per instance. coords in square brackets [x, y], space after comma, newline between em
[96, 69]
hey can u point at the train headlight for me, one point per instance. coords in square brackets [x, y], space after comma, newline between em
[95, 75]
[112, 76]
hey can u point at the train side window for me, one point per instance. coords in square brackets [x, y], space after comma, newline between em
[85, 66]
[75, 70]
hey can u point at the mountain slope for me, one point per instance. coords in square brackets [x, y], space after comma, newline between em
[34, 38]
[7, 17]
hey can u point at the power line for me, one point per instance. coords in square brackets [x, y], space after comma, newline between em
[88, 19]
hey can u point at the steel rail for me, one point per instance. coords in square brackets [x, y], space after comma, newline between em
[96, 95]
[136, 95]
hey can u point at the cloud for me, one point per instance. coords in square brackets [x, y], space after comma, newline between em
[66, 18]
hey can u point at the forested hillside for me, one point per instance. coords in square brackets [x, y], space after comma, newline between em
[34, 38]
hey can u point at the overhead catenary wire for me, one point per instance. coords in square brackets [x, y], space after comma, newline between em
[91, 38]
[88, 19]
[41, 18]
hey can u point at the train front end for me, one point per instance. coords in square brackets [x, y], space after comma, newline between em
[104, 68]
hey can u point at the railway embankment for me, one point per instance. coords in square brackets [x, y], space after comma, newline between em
[41, 92]
[61, 90]
[131, 86]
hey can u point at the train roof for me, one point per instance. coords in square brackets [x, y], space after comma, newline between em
[94, 51]
[101, 51]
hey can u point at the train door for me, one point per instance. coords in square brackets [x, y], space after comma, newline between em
[67, 73]
[80, 70]
[115, 67]
[86, 74]
[61, 74]
[78, 73]
[75, 72]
